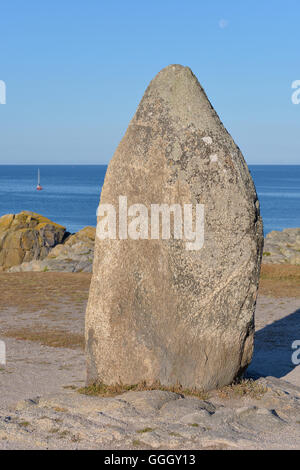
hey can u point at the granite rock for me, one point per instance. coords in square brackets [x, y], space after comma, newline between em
[158, 312]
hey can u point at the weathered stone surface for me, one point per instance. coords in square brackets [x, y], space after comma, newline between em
[75, 254]
[155, 420]
[157, 311]
[27, 236]
[282, 247]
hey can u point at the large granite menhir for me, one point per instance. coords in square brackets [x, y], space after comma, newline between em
[157, 311]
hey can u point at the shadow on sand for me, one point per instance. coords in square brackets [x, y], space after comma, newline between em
[273, 348]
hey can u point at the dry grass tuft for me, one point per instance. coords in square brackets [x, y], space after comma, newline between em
[144, 430]
[102, 390]
[58, 409]
[137, 443]
[245, 388]
[24, 424]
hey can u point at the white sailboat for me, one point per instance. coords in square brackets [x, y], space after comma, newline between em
[39, 187]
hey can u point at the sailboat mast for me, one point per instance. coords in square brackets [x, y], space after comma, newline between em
[39, 187]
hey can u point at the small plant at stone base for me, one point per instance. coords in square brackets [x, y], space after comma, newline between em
[243, 388]
[100, 389]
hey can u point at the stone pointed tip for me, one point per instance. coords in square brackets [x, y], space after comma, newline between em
[175, 67]
[174, 70]
[175, 91]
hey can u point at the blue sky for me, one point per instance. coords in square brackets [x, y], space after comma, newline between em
[76, 70]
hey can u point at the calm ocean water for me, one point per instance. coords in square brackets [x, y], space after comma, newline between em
[71, 193]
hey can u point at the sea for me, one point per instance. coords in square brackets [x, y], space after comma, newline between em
[70, 194]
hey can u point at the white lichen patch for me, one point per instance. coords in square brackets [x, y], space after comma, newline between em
[213, 158]
[176, 151]
[207, 140]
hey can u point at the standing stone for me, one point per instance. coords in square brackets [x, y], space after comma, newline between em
[157, 311]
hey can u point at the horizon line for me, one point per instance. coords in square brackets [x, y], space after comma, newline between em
[105, 164]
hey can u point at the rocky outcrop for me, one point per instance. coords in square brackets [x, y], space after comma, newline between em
[156, 420]
[74, 255]
[158, 312]
[282, 247]
[27, 236]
